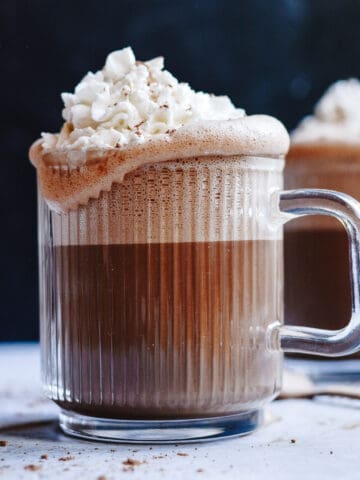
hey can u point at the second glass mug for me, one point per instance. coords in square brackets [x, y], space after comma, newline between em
[161, 302]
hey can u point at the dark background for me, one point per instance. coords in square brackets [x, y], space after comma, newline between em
[269, 56]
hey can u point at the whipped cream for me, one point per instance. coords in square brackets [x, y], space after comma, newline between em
[129, 102]
[336, 116]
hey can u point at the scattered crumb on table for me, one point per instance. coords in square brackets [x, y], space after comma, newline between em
[131, 462]
[32, 468]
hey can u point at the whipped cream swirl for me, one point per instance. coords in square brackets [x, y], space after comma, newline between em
[336, 116]
[128, 102]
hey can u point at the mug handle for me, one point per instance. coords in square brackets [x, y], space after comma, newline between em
[292, 204]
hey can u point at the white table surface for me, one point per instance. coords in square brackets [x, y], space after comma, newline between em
[326, 434]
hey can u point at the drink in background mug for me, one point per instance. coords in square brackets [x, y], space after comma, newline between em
[325, 153]
[161, 280]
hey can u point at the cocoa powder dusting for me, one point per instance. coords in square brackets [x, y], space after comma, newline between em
[130, 464]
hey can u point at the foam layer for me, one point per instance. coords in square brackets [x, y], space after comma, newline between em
[69, 178]
[336, 117]
[199, 200]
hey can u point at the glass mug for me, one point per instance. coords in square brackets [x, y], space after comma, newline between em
[162, 300]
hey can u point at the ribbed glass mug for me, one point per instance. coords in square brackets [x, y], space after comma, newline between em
[162, 300]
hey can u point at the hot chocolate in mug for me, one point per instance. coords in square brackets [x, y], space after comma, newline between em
[161, 276]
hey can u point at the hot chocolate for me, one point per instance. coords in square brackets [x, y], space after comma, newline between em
[161, 271]
[166, 330]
